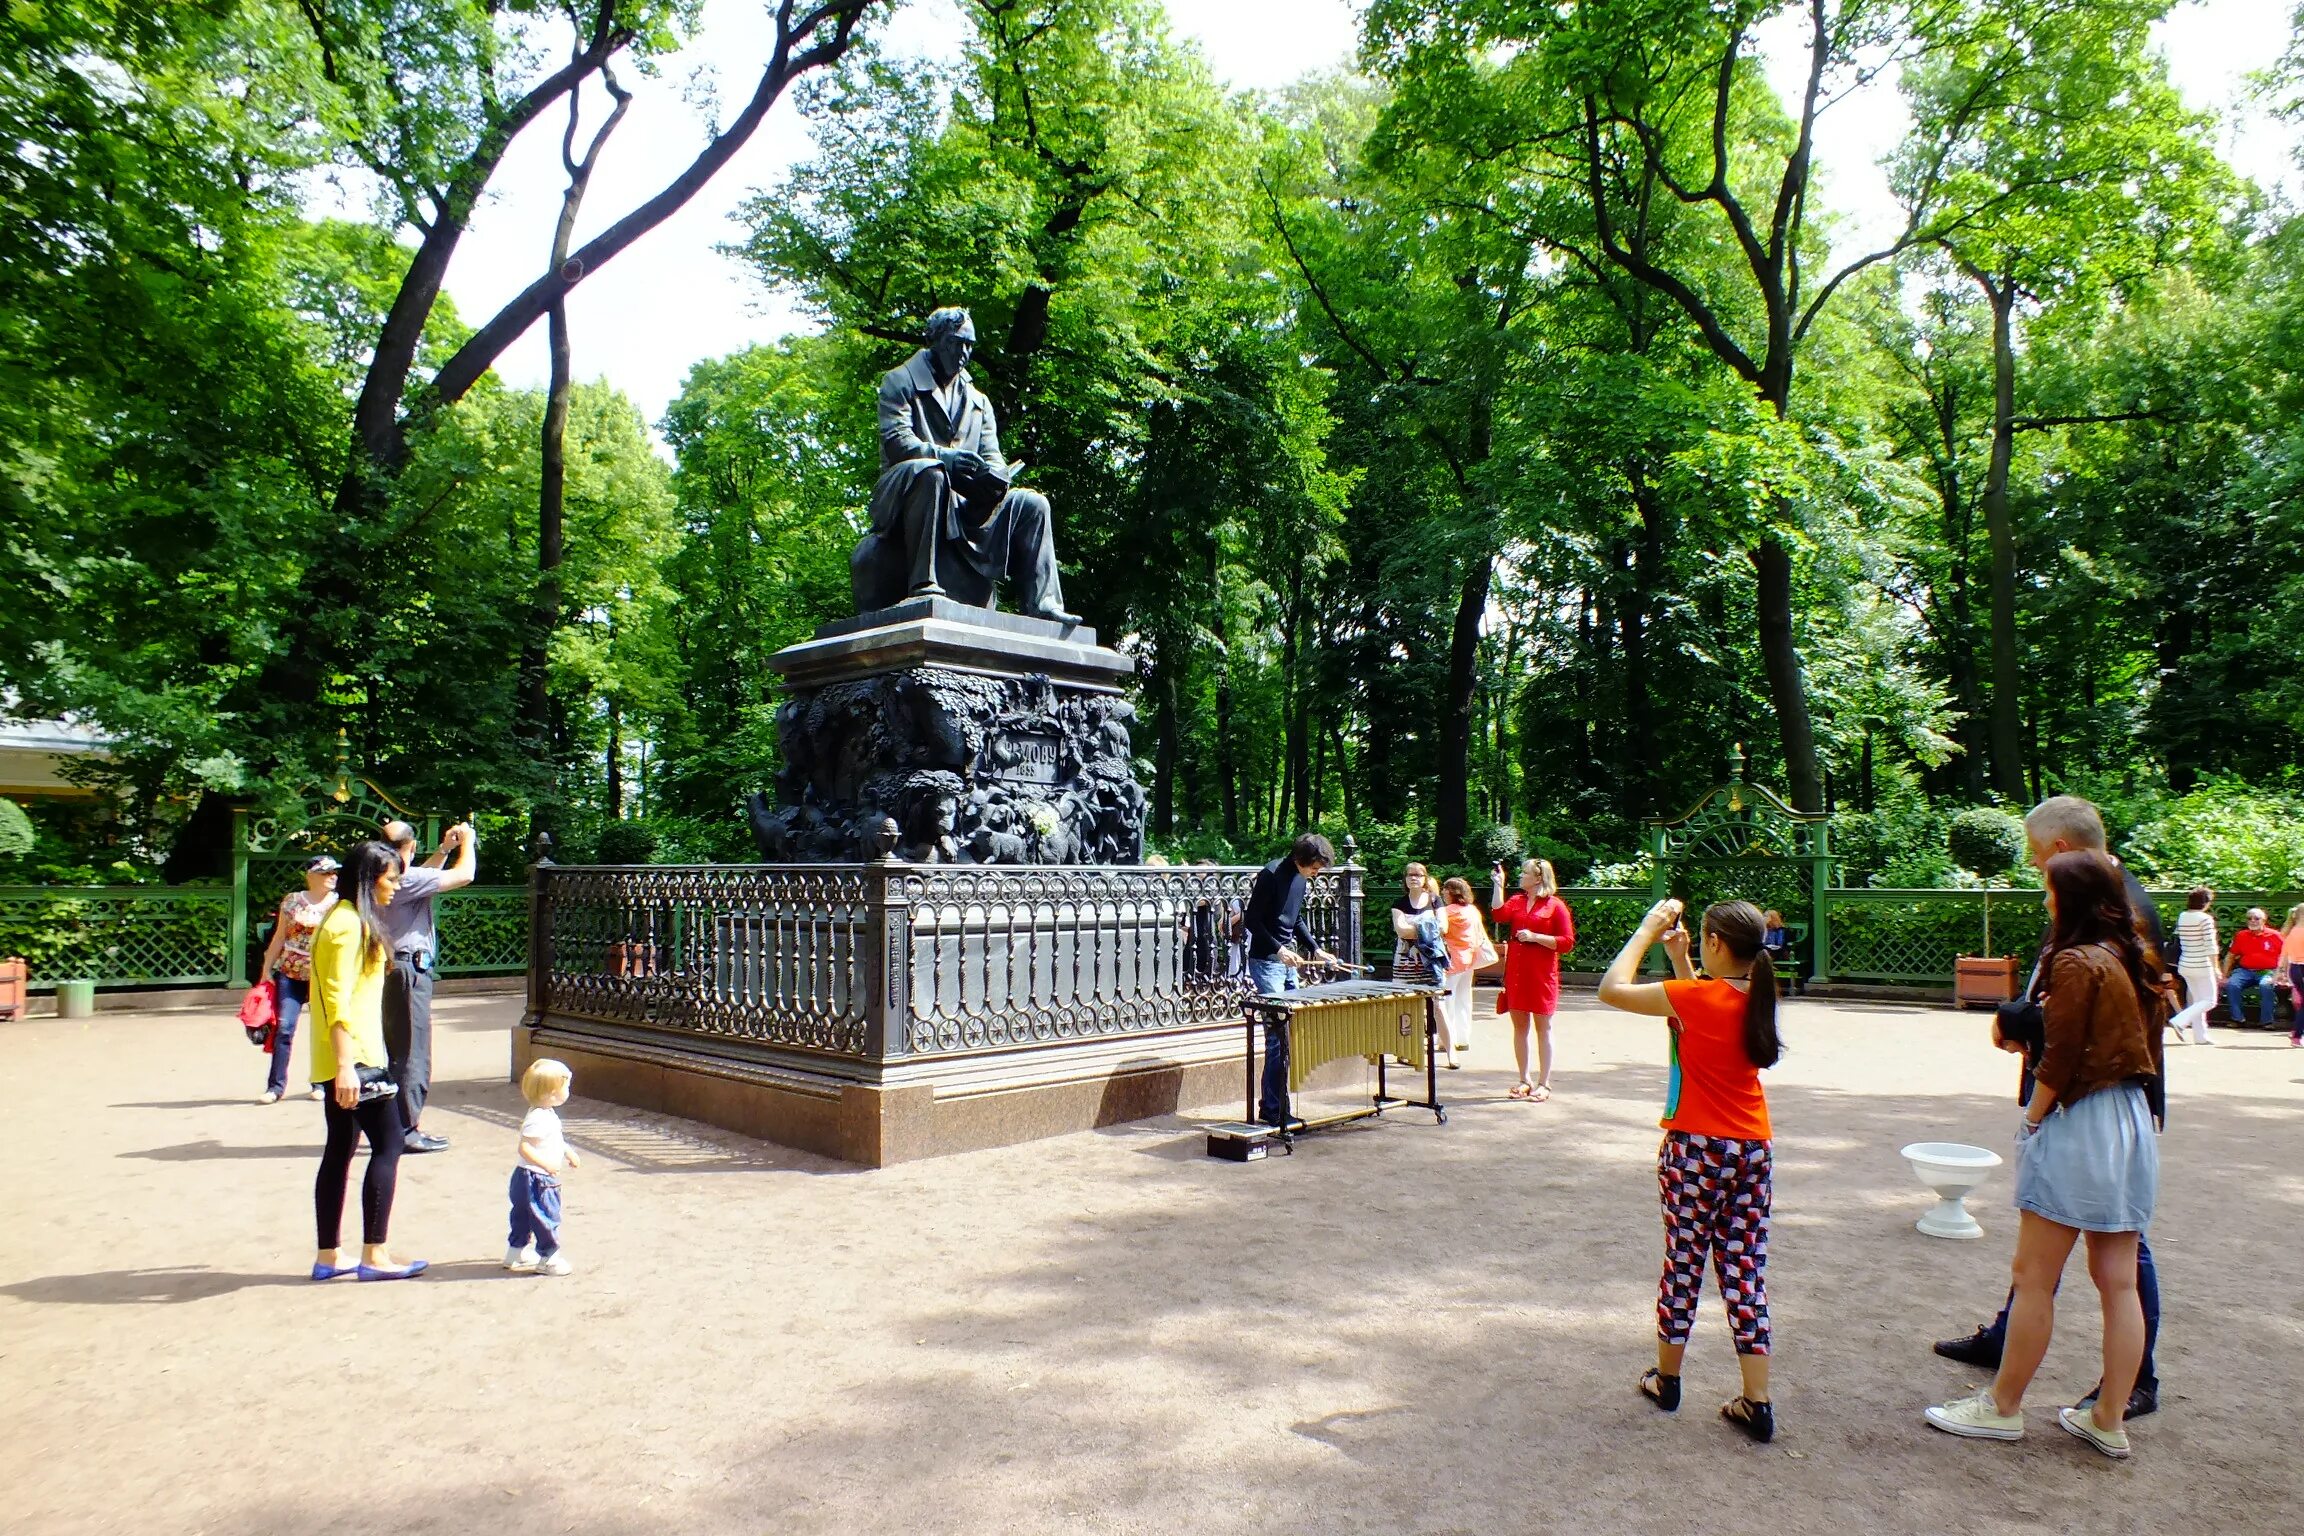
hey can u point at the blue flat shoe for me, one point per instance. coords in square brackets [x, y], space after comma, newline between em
[408, 1271]
[331, 1271]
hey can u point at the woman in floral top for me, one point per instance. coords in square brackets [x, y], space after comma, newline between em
[288, 961]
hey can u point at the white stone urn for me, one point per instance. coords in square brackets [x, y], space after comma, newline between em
[1952, 1169]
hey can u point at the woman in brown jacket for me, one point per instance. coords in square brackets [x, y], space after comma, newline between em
[2087, 1163]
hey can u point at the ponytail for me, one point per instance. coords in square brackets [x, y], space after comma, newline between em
[1761, 1042]
[1739, 925]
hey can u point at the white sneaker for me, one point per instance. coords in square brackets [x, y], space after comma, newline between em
[2082, 1425]
[557, 1264]
[521, 1261]
[1976, 1418]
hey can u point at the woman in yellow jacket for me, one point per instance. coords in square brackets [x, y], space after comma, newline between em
[350, 955]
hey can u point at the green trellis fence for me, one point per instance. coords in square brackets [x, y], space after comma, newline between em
[181, 936]
[213, 934]
[1908, 937]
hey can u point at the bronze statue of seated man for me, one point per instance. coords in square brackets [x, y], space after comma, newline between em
[947, 519]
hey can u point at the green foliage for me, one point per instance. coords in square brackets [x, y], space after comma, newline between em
[1986, 842]
[1901, 841]
[627, 842]
[1426, 510]
[2229, 831]
[777, 448]
[16, 835]
[1496, 843]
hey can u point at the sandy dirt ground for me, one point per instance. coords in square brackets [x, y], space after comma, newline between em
[1404, 1327]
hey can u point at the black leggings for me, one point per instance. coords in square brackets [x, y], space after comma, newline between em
[379, 1120]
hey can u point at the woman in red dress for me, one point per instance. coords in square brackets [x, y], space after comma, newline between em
[1539, 930]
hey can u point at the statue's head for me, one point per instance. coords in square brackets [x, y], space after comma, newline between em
[951, 340]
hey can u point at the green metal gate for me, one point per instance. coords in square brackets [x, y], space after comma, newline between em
[1743, 842]
[271, 847]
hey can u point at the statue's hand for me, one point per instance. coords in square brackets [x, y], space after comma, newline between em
[961, 461]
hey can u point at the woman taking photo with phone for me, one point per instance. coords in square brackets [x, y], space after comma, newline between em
[1538, 930]
[1715, 1169]
[350, 955]
[2087, 1160]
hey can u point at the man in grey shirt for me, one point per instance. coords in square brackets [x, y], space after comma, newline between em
[408, 925]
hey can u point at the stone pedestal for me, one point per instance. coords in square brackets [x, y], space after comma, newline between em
[986, 738]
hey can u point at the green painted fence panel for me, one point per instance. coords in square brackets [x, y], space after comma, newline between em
[181, 935]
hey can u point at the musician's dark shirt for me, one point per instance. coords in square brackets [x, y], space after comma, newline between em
[1275, 907]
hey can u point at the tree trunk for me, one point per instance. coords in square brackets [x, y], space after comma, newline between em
[1456, 709]
[1636, 777]
[1291, 763]
[615, 775]
[339, 565]
[1227, 763]
[2007, 683]
[1780, 659]
[1164, 748]
[535, 720]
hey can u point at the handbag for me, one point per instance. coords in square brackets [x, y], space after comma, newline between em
[1485, 956]
[260, 1014]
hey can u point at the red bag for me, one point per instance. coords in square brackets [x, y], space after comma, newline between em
[260, 1014]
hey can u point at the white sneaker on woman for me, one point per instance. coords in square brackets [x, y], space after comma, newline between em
[521, 1261]
[1976, 1418]
[556, 1264]
[2082, 1424]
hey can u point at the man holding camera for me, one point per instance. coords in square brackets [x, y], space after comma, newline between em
[408, 923]
[2062, 825]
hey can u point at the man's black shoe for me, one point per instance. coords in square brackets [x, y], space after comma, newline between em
[419, 1141]
[1978, 1349]
[2142, 1402]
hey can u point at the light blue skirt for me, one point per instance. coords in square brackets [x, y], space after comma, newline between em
[2094, 1164]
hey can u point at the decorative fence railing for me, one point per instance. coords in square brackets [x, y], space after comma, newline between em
[875, 962]
[998, 954]
[1902, 936]
[181, 935]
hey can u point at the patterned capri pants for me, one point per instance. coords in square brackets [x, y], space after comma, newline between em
[1716, 1195]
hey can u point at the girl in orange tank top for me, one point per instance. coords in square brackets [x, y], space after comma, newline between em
[1714, 1171]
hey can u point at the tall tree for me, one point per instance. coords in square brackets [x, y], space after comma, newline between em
[440, 148]
[2054, 162]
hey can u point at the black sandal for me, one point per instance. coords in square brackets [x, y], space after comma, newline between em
[1757, 1420]
[1662, 1390]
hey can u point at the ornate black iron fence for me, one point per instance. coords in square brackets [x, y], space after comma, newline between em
[875, 962]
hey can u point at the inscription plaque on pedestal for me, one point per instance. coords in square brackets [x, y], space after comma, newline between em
[1021, 757]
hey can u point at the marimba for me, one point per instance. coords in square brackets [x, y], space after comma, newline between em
[1380, 1020]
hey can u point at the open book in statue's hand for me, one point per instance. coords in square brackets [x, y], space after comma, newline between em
[989, 480]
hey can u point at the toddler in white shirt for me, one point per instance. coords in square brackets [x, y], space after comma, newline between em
[544, 1151]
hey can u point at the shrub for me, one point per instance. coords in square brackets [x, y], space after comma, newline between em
[1900, 839]
[2227, 832]
[627, 842]
[1985, 841]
